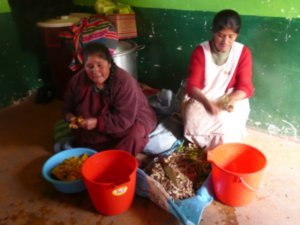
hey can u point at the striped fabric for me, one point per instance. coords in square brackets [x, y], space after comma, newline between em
[93, 29]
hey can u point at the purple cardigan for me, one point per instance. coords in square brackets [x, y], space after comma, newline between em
[116, 109]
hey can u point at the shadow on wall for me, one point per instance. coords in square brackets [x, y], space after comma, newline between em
[170, 36]
[26, 14]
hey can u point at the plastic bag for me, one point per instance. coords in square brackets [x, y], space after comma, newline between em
[166, 135]
[162, 102]
[160, 140]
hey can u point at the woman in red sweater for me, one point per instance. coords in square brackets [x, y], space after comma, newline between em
[105, 105]
[216, 107]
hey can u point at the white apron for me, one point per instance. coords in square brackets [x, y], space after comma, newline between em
[207, 130]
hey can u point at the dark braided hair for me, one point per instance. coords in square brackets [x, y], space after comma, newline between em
[226, 18]
[102, 52]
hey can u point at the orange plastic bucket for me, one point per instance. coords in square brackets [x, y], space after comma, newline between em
[110, 179]
[236, 172]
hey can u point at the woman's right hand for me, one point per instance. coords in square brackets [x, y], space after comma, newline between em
[212, 108]
[72, 119]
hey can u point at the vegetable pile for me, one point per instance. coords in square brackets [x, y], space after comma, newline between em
[70, 168]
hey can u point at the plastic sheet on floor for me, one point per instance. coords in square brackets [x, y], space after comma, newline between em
[188, 211]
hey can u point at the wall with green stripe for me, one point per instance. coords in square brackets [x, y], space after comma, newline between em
[23, 64]
[273, 8]
[19, 67]
[4, 7]
[170, 30]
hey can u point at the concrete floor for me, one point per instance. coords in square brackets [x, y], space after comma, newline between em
[26, 198]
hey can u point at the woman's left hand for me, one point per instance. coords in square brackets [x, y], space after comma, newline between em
[230, 106]
[233, 98]
[89, 123]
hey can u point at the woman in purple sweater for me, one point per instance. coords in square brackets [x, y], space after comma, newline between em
[105, 105]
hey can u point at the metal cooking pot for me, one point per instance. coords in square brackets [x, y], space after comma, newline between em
[125, 56]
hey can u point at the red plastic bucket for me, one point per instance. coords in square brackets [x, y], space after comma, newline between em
[236, 172]
[110, 178]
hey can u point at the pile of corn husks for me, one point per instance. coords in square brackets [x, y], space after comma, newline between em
[182, 172]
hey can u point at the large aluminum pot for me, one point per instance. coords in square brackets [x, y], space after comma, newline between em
[125, 56]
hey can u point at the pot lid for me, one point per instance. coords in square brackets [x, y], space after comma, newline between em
[125, 47]
[63, 21]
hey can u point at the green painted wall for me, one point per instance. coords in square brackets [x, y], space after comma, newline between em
[278, 8]
[4, 7]
[19, 67]
[273, 8]
[23, 63]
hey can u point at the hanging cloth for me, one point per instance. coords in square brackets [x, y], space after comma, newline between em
[93, 29]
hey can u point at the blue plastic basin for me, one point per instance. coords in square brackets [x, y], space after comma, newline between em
[65, 186]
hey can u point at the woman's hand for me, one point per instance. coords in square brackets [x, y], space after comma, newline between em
[72, 119]
[226, 103]
[79, 122]
[230, 106]
[212, 108]
[88, 123]
[233, 98]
